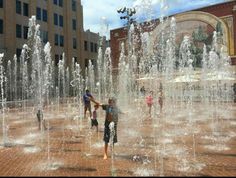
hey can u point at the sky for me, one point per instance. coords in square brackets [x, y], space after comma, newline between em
[101, 16]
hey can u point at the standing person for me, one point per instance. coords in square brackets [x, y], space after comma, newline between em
[94, 121]
[41, 121]
[234, 88]
[142, 90]
[111, 118]
[87, 105]
[160, 100]
[149, 101]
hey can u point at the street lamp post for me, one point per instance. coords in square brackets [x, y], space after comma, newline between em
[129, 13]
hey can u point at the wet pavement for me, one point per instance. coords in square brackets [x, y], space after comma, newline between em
[162, 145]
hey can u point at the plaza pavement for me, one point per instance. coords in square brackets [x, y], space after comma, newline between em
[146, 146]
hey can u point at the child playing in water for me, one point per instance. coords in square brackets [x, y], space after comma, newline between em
[160, 100]
[149, 101]
[40, 119]
[94, 121]
[87, 104]
[111, 119]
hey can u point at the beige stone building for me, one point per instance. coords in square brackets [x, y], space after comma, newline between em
[92, 42]
[61, 23]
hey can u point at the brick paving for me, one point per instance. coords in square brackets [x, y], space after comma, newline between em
[160, 146]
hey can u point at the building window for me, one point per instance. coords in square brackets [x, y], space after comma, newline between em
[57, 59]
[85, 45]
[95, 47]
[45, 15]
[61, 40]
[56, 42]
[1, 26]
[91, 46]
[18, 31]
[25, 32]
[25, 9]
[44, 36]
[86, 63]
[18, 7]
[94, 62]
[60, 3]
[18, 53]
[38, 13]
[74, 24]
[73, 4]
[1, 3]
[61, 20]
[74, 43]
[55, 19]
[75, 59]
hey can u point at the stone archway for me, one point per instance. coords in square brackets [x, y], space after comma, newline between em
[208, 19]
[196, 16]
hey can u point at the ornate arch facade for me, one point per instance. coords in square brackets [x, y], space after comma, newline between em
[208, 19]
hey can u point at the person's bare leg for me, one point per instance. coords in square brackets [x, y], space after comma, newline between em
[90, 113]
[113, 148]
[41, 124]
[85, 110]
[45, 125]
[149, 111]
[161, 108]
[105, 151]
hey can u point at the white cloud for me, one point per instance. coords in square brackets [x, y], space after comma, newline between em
[100, 13]
[100, 16]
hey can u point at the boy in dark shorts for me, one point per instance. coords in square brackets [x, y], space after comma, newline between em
[111, 119]
[94, 121]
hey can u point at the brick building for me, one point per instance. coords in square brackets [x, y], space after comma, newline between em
[223, 14]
